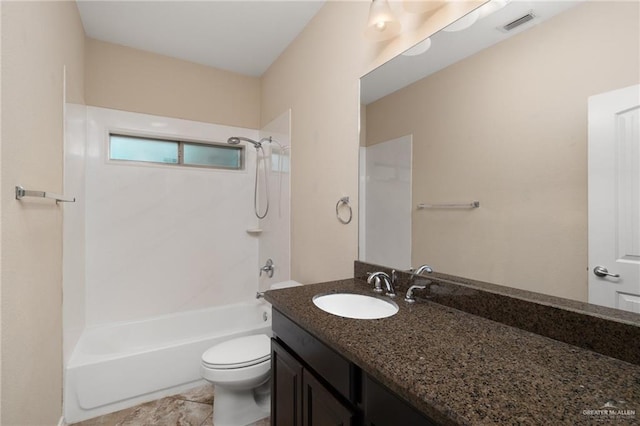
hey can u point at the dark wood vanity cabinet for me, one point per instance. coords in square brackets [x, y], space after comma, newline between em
[301, 400]
[312, 385]
[302, 391]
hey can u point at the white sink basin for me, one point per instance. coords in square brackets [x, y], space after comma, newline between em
[356, 306]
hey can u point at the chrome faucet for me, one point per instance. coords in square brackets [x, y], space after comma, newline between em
[421, 270]
[381, 277]
[409, 297]
[377, 285]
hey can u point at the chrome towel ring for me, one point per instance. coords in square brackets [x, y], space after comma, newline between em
[344, 201]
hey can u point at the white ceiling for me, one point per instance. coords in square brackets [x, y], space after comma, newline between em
[235, 35]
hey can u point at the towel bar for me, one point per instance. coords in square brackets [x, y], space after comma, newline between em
[21, 193]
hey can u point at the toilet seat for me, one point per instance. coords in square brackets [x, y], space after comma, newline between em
[238, 353]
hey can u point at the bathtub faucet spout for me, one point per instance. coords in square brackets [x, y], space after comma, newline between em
[260, 295]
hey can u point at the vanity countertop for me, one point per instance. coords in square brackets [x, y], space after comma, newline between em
[459, 368]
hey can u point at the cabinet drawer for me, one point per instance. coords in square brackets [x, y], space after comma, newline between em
[339, 373]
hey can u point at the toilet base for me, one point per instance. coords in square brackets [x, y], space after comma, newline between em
[241, 407]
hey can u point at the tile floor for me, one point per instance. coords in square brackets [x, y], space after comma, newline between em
[191, 408]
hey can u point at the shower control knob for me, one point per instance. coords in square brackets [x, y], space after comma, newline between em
[268, 268]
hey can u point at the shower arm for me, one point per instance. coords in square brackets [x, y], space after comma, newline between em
[235, 140]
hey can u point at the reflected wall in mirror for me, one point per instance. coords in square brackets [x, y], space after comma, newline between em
[507, 126]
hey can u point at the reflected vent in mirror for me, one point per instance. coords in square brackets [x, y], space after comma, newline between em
[516, 23]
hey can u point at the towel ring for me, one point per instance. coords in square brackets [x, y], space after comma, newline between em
[344, 201]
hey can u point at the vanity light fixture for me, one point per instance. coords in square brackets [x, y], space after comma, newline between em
[382, 24]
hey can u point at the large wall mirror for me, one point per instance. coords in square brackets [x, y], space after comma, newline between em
[497, 111]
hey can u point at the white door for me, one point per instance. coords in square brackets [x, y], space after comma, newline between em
[614, 199]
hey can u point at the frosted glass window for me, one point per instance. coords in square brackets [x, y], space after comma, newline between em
[212, 156]
[180, 153]
[142, 149]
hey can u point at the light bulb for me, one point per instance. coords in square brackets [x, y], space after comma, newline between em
[382, 24]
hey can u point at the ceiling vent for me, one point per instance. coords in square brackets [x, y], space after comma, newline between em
[516, 23]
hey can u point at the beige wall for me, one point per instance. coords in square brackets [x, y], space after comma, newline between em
[128, 79]
[38, 39]
[318, 78]
[508, 127]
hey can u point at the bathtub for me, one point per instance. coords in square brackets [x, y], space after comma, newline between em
[124, 364]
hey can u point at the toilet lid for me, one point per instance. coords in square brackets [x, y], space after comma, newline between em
[239, 352]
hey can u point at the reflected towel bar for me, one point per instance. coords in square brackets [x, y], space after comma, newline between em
[21, 193]
[471, 205]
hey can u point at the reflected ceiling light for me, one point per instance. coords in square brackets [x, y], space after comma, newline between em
[422, 6]
[492, 6]
[419, 48]
[463, 23]
[382, 24]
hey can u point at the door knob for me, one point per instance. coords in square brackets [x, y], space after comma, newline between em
[601, 271]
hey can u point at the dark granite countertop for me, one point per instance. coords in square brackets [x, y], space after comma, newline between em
[458, 368]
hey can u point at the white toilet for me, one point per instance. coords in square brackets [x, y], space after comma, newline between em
[239, 369]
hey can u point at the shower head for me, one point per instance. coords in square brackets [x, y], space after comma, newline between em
[235, 140]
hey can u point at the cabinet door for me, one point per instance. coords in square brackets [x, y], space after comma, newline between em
[320, 407]
[383, 408]
[336, 371]
[286, 387]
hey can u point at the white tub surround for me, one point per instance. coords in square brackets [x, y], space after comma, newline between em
[157, 236]
[275, 238]
[73, 223]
